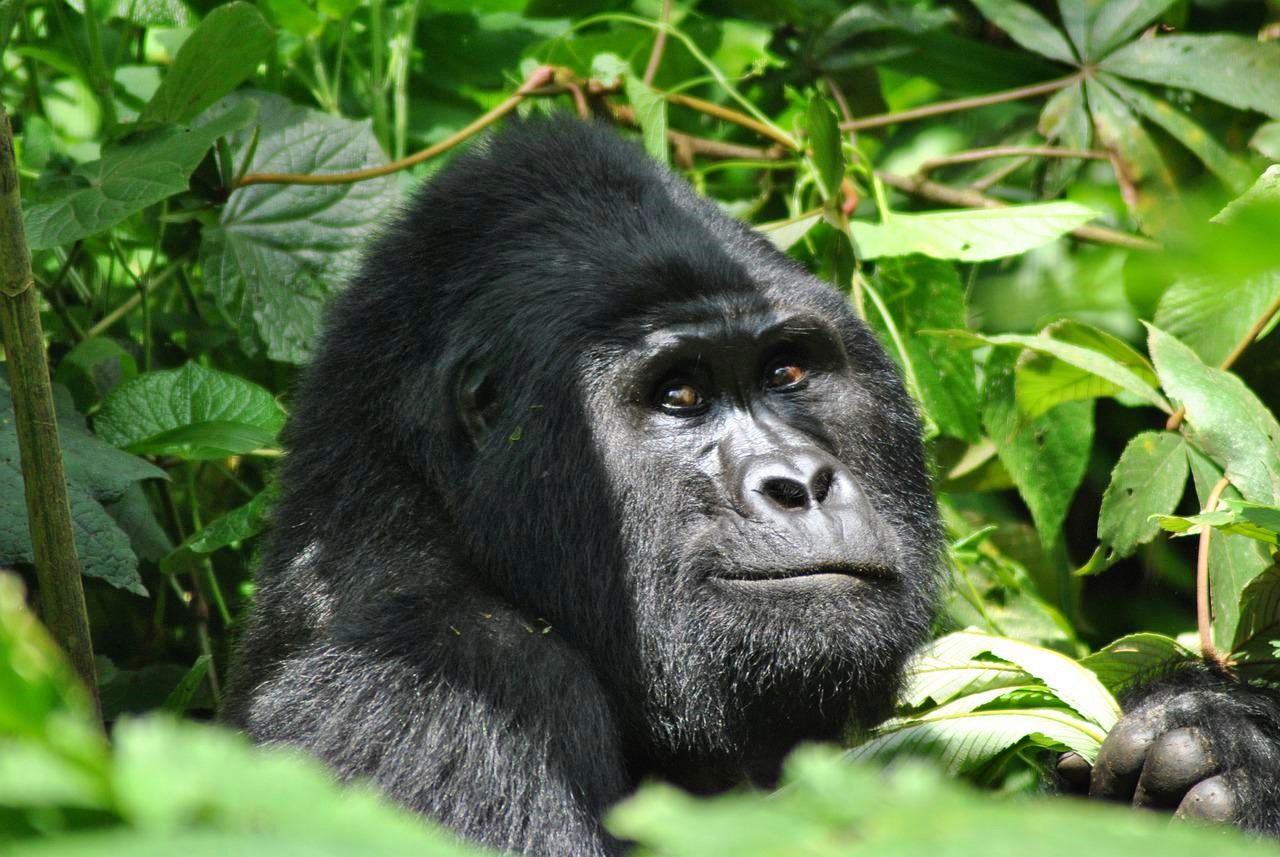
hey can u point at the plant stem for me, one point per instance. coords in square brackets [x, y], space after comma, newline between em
[659, 43]
[881, 119]
[102, 83]
[62, 605]
[1009, 152]
[539, 77]
[1204, 618]
[1230, 360]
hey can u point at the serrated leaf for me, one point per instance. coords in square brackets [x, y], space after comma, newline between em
[193, 412]
[971, 235]
[1233, 172]
[1134, 658]
[1028, 28]
[1259, 623]
[827, 148]
[279, 251]
[651, 115]
[1045, 456]
[1235, 70]
[1212, 314]
[1226, 419]
[127, 179]
[926, 293]
[938, 680]
[1148, 480]
[1116, 20]
[223, 51]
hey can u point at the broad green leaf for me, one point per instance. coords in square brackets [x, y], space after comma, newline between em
[92, 368]
[1069, 681]
[1211, 315]
[1065, 121]
[970, 235]
[1236, 70]
[279, 251]
[926, 293]
[1028, 28]
[1045, 456]
[1081, 356]
[934, 680]
[1114, 21]
[1233, 562]
[237, 525]
[828, 807]
[1259, 617]
[1233, 172]
[127, 179]
[1225, 418]
[1261, 196]
[963, 739]
[224, 51]
[827, 148]
[193, 412]
[1148, 480]
[785, 233]
[97, 474]
[1134, 658]
[1045, 380]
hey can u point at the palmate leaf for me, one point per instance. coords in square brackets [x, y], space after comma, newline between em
[1236, 70]
[935, 680]
[1065, 119]
[1133, 658]
[1028, 28]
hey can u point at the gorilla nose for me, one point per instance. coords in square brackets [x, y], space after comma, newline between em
[794, 481]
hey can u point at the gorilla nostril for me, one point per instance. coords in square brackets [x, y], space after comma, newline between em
[785, 492]
[821, 484]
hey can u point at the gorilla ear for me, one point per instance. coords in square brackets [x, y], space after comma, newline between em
[476, 400]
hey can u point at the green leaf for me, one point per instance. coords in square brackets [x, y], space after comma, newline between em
[1233, 562]
[1233, 172]
[192, 412]
[651, 114]
[1134, 658]
[1045, 456]
[1226, 419]
[1148, 480]
[1069, 681]
[1045, 379]
[1212, 314]
[785, 233]
[92, 368]
[1065, 121]
[235, 526]
[1119, 131]
[923, 293]
[178, 701]
[935, 680]
[1259, 617]
[1236, 70]
[1267, 140]
[1114, 21]
[827, 148]
[220, 54]
[1261, 197]
[1049, 383]
[279, 251]
[96, 474]
[127, 179]
[970, 235]
[1028, 28]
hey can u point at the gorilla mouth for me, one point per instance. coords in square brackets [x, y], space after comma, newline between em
[824, 571]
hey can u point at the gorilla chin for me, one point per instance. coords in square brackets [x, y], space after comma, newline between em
[587, 484]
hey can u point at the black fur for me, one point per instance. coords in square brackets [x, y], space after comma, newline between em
[508, 631]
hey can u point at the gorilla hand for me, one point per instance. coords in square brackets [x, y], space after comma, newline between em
[1199, 743]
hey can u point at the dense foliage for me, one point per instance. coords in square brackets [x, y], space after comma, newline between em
[1060, 218]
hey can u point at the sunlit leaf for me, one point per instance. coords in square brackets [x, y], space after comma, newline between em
[970, 235]
[1148, 480]
[1236, 70]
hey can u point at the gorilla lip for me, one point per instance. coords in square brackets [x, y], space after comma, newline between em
[825, 570]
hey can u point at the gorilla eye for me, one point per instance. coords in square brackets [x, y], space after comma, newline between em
[680, 398]
[782, 375]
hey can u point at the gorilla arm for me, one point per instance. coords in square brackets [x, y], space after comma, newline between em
[485, 723]
[1198, 742]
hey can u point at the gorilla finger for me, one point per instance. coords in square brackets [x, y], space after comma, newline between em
[1176, 762]
[1214, 799]
[1073, 773]
[1119, 763]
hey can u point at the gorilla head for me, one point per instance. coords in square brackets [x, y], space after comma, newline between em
[567, 389]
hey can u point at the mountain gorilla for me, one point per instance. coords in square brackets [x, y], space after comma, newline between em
[587, 484]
